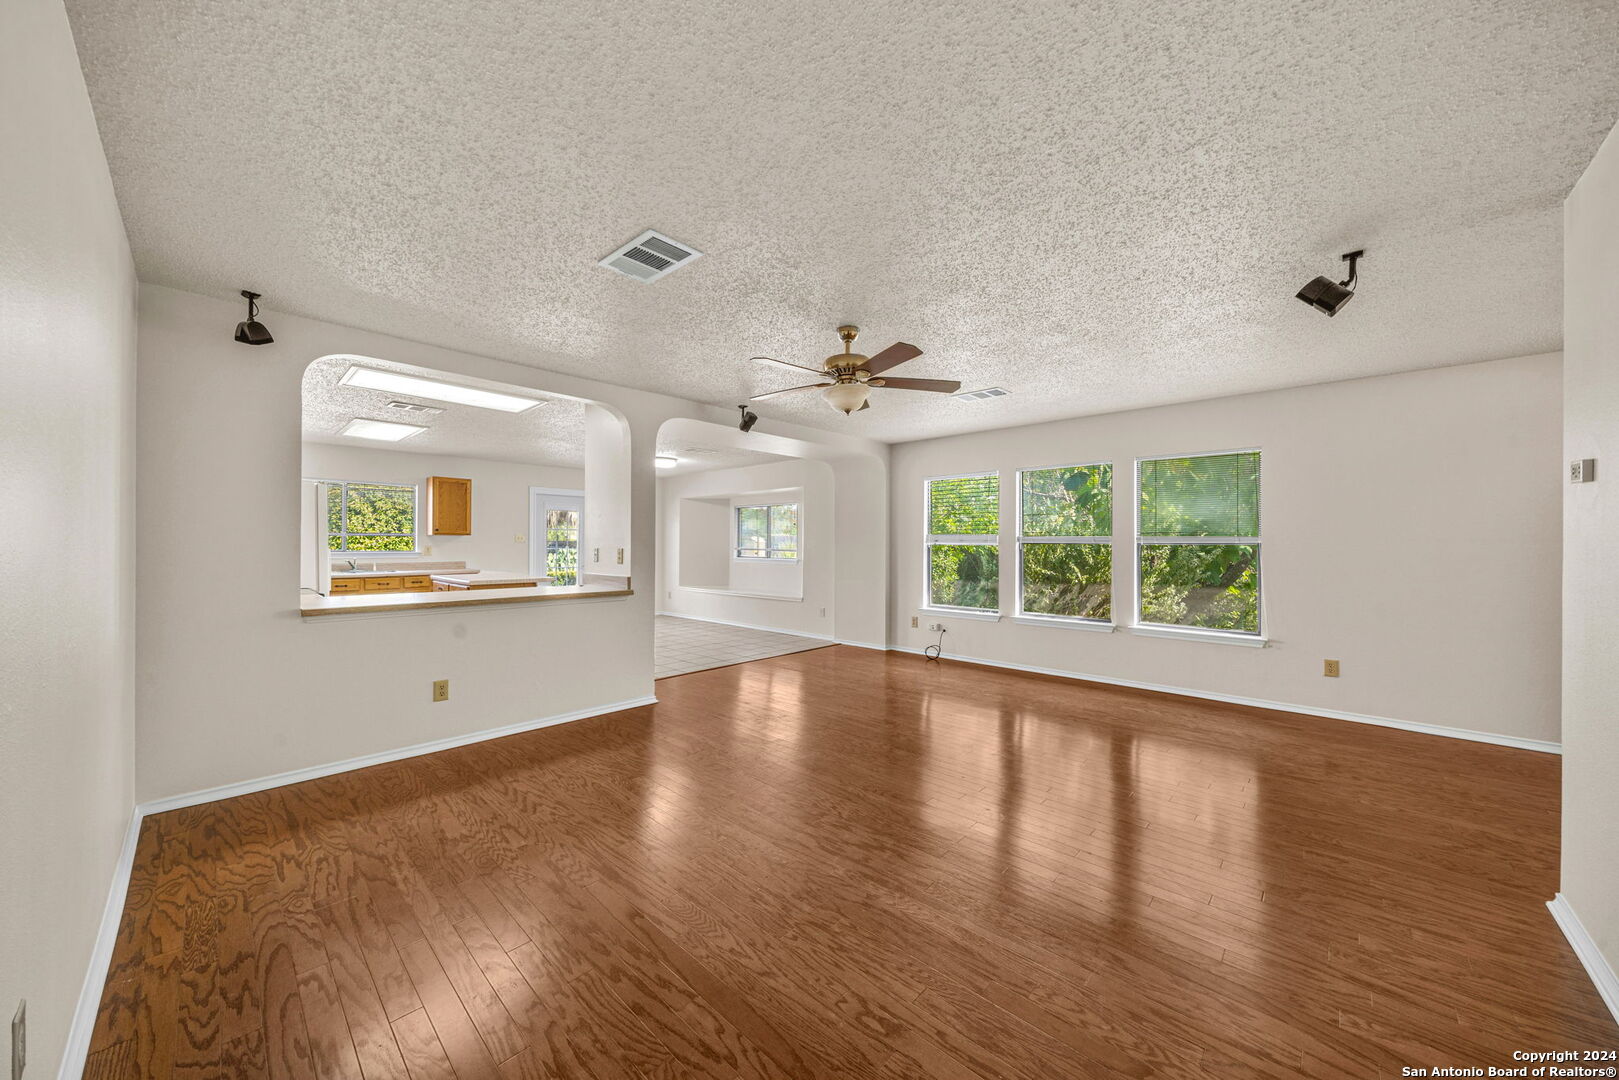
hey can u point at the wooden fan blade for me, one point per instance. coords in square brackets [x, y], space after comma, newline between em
[891, 357]
[789, 390]
[937, 386]
[785, 364]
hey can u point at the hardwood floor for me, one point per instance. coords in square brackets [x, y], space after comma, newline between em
[843, 863]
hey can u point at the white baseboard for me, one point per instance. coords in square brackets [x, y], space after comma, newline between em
[746, 626]
[83, 1023]
[1520, 743]
[862, 645]
[264, 783]
[95, 977]
[1585, 947]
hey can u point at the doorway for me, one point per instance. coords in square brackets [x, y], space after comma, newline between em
[556, 533]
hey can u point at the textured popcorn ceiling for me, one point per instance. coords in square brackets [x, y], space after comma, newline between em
[1095, 205]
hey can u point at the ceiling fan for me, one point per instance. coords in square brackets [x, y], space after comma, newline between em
[850, 375]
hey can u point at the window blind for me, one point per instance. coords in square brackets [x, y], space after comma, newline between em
[752, 528]
[964, 506]
[1217, 495]
[1070, 501]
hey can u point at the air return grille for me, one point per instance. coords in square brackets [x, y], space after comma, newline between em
[980, 395]
[651, 256]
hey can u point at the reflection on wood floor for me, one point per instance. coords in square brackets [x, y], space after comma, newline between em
[844, 863]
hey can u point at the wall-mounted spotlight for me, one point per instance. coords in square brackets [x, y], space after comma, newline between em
[665, 461]
[252, 332]
[748, 419]
[1328, 296]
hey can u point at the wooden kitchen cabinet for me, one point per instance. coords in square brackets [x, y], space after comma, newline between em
[449, 506]
[382, 583]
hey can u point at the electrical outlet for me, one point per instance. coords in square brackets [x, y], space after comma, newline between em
[936, 626]
[519, 539]
[621, 556]
[913, 622]
[823, 613]
[441, 690]
[19, 1040]
[1329, 668]
[1583, 471]
[595, 554]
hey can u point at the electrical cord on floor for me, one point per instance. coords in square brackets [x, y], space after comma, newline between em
[932, 651]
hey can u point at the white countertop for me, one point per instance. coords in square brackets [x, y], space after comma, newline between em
[486, 577]
[370, 603]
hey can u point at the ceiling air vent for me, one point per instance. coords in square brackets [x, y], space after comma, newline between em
[651, 256]
[412, 407]
[981, 395]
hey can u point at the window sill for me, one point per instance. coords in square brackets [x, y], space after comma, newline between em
[1065, 624]
[1188, 633]
[954, 613]
[740, 592]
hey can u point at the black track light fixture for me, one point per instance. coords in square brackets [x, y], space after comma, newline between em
[1328, 296]
[252, 332]
[749, 418]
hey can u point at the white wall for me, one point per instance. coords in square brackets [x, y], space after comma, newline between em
[500, 496]
[67, 364]
[1411, 530]
[1590, 879]
[700, 530]
[235, 685]
[801, 595]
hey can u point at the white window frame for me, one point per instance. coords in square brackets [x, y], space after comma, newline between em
[343, 501]
[767, 558]
[1064, 620]
[975, 539]
[1196, 633]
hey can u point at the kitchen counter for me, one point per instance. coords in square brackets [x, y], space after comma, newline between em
[487, 579]
[373, 603]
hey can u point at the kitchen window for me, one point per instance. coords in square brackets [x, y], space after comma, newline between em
[371, 517]
[964, 543]
[767, 532]
[1197, 542]
[1065, 542]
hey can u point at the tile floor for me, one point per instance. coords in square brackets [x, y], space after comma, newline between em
[684, 645]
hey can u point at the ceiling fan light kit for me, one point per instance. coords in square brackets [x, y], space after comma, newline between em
[852, 375]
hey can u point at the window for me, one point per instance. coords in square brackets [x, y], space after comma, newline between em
[963, 542]
[1065, 542]
[767, 532]
[371, 517]
[1197, 541]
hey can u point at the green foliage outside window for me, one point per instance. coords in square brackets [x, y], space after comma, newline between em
[1070, 580]
[1213, 586]
[562, 546]
[371, 517]
[964, 576]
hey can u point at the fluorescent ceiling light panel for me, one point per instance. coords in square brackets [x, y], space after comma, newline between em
[381, 430]
[416, 386]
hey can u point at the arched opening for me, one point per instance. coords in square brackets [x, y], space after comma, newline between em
[747, 547]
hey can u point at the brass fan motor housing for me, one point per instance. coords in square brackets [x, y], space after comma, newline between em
[847, 365]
